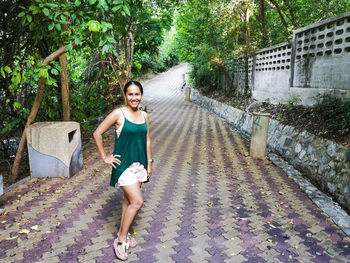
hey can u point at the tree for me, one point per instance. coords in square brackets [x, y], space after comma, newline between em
[212, 36]
[74, 25]
[81, 17]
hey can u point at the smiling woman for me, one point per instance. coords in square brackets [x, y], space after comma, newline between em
[131, 160]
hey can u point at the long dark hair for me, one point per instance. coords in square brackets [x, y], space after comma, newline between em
[132, 82]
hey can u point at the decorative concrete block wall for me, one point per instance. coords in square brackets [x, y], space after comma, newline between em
[239, 74]
[324, 162]
[272, 73]
[322, 58]
[316, 61]
[55, 149]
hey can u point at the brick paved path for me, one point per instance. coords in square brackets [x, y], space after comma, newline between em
[207, 201]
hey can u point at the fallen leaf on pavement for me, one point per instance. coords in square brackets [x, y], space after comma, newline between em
[10, 238]
[36, 227]
[24, 231]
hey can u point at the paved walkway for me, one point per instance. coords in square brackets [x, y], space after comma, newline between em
[207, 201]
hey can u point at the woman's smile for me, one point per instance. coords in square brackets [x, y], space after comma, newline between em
[133, 96]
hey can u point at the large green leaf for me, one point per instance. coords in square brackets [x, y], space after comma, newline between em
[46, 11]
[94, 26]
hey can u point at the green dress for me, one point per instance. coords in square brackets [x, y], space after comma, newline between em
[131, 145]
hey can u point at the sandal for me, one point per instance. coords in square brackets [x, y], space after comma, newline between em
[124, 246]
[131, 240]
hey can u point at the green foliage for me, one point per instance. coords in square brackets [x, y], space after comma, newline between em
[32, 30]
[294, 100]
[336, 111]
[87, 105]
[267, 101]
[164, 58]
[204, 73]
[171, 59]
[145, 63]
[233, 29]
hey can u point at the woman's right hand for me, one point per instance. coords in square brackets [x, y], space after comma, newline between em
[112, 159]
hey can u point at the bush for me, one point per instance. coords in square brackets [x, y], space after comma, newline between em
[335, 111]
[154, 64]
[171, 59]
[205, 70]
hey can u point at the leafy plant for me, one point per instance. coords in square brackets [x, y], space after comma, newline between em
[336, 111]
[279, 116]
[294, 100]
[267, 101]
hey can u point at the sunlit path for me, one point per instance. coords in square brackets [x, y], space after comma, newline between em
[206, 201]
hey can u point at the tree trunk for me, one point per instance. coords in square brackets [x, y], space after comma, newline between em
[64, 82]
[265, 37]
[32, 115]
[284, 22]
[247, 53]
[30, 120]
[123, 72]
[36, 105]
[64, 88]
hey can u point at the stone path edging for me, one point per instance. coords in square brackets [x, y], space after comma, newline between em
[278, 134]
[324, 202]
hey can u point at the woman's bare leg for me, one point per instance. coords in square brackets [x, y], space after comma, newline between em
[124, 206]
[134, 197]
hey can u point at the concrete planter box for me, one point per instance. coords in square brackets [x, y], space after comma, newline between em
[54, 149]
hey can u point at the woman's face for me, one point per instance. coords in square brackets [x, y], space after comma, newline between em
[133, 96]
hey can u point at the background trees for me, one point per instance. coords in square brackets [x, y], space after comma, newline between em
[211, 36]
[65, 59]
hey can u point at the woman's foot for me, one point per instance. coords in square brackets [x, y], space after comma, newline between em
[130, 239]
[120, 249]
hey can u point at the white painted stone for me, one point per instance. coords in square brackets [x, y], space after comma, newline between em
[1, 185]
[331, 150]
[302, 154]
[297, 148]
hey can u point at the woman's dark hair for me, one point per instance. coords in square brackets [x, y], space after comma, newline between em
[133, 82]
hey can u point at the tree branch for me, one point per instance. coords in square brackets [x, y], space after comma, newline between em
[277, 7]
[36, 105]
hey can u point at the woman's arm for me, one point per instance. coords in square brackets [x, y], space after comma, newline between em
[149, 151]
[109, 121]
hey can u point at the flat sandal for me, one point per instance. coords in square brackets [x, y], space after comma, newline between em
[124, 245]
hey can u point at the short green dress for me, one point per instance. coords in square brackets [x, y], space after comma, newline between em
[131, 145]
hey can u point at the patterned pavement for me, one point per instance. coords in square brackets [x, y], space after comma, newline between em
[207, 201]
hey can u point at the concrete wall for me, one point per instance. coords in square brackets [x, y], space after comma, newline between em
[272, 73]
[322, 58]
[316, 61]
[324, 162]
[239, 75]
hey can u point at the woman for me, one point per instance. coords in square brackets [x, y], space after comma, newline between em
[131, 160]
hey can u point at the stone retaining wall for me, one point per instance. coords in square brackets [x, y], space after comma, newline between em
[324, 162]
